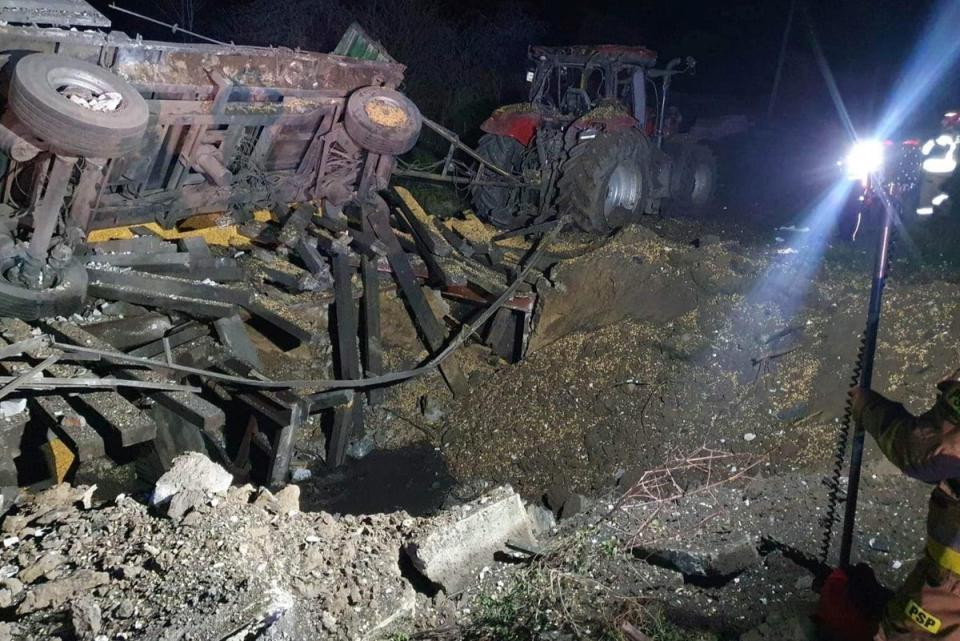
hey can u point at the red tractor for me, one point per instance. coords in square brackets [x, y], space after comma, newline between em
[596, 141]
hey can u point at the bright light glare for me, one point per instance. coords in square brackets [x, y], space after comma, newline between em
[865, 158]
[936, 53]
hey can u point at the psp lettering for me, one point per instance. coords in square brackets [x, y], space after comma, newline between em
[922, 618]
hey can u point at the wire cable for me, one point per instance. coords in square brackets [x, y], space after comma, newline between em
[331, 384]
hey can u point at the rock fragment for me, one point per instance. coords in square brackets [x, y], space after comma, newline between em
[192, 471]
[184, 502]
[541, 519]
[719, 557]
[86, 618]
[44, 565]
[288, 499]
[57, 593]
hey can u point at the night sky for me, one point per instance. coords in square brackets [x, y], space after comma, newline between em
[736, 45]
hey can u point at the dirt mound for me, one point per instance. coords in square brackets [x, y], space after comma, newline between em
[637, 275]
[648, 347]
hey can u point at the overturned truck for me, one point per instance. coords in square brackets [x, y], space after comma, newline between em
[99, 129]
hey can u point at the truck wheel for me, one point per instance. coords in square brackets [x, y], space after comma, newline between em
[499, 205]
[383, 121]
[45, 92]
[61, 298]
[693, 181]
[605, 181]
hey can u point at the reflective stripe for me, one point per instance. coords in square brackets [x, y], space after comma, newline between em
[922, 618]
[945, 557]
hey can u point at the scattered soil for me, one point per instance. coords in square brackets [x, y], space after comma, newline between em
[661, 341]
[647, 347]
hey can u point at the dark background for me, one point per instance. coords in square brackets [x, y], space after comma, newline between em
[465, 57]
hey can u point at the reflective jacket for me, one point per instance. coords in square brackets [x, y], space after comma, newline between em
[925, 447]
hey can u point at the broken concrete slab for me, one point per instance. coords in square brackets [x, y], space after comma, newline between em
[575, 504]
[719, 556]
[191, 471]
[288, 499]
[466, 539]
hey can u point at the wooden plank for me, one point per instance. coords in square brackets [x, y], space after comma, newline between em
[171, 286]
[120, 415]
[190, 331]
[186, 405]
[174, 263]
[146, 244]
[370, 344]
[285, 326]
[196, 246]
[430, 326]
[348, 360]
[284, 409]
[59, 416]
[233, 334]
[193, 306]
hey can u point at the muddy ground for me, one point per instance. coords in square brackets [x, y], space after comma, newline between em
[672, 341]
[677, 335]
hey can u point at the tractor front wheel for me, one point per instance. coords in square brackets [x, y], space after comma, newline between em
[605, 181]
[500, 205]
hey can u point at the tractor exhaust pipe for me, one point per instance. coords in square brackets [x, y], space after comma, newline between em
[662, 111]
[668, 73]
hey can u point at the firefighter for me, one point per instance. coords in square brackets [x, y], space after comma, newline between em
[925, 447]
[939, 178]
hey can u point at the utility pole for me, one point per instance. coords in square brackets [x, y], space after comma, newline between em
[780, 60]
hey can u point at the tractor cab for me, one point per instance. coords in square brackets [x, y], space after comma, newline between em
[576, 80]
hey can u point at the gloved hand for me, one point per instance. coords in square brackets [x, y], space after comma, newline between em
[859, 397]
[851, 603]
[866, 593]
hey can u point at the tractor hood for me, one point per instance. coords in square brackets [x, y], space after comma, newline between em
[519, 121]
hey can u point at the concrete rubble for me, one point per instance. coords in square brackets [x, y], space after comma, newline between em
[461, 541]
[239, 560]
[239, 563]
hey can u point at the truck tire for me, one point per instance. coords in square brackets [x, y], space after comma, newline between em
[65, 297]
[382, 121]
[693, 180]
[37, 98]
[499, 204]
[604, 182]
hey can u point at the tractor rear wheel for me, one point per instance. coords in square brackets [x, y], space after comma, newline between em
[500, 205]
[693, 180]
[605, 181]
